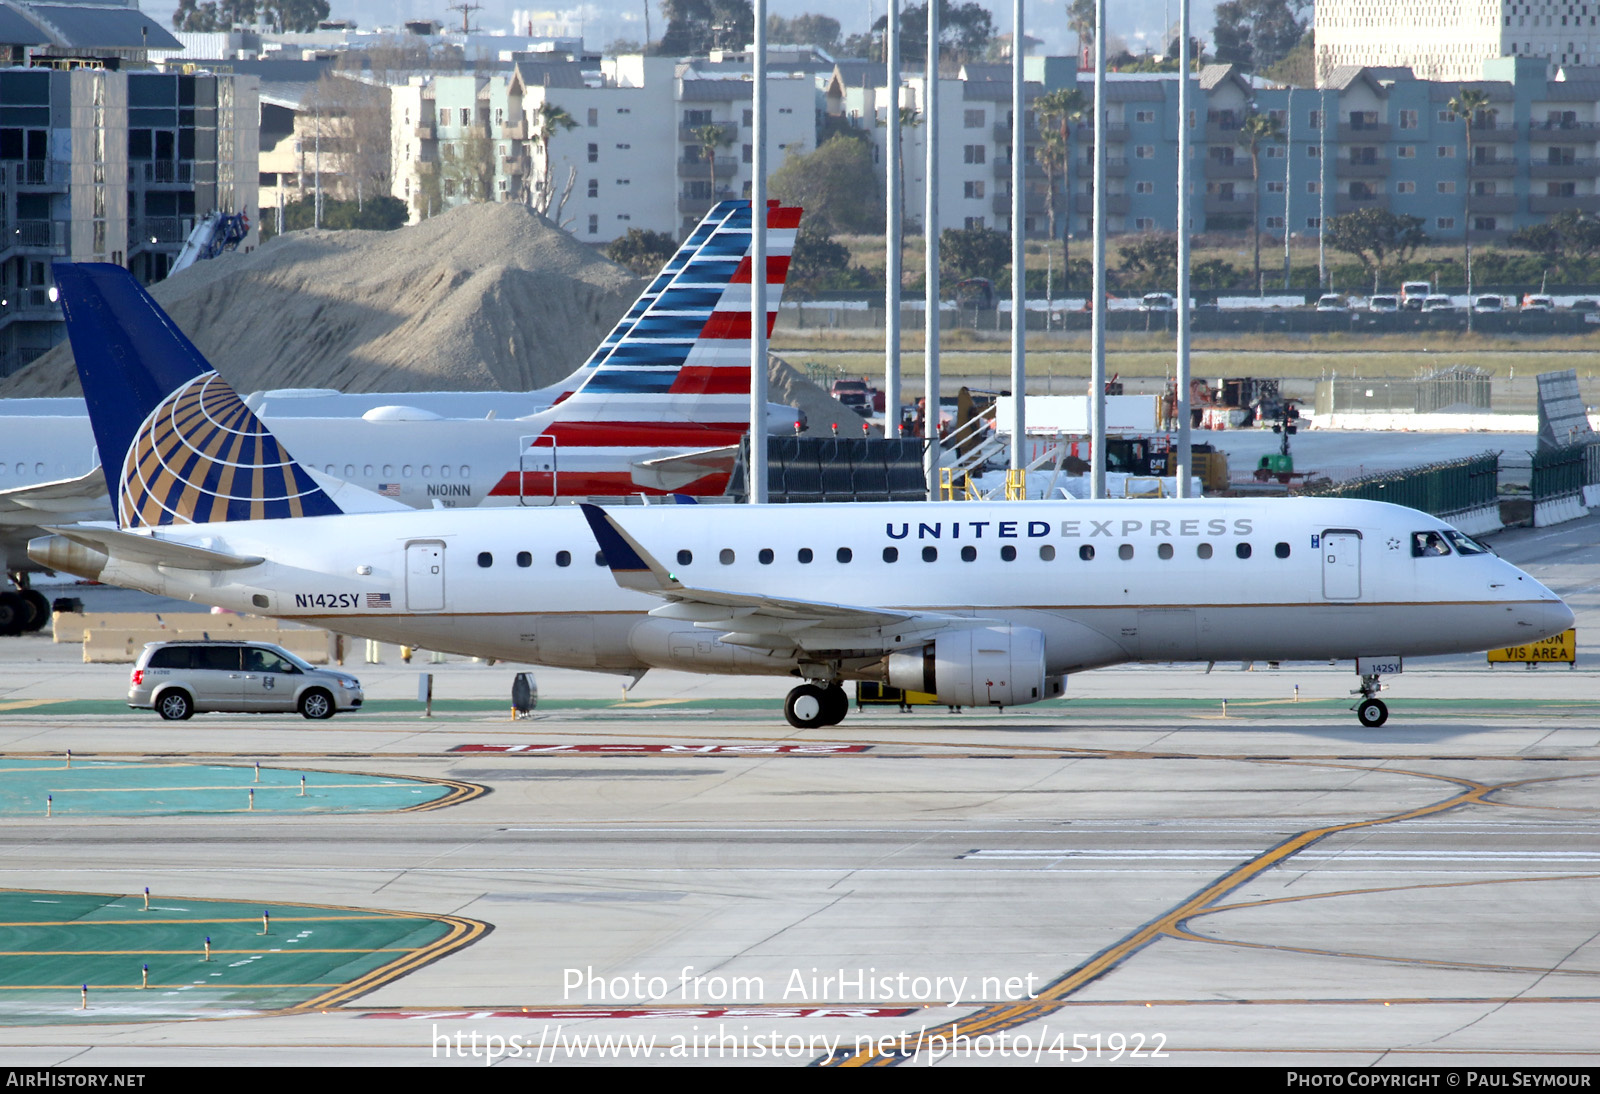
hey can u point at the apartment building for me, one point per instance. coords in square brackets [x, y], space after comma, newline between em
[1390, 140]
[103, 159]
[1440, 40]
[641, 142]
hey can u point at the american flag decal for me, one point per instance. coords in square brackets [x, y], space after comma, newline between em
[378, 600]
[389, 489]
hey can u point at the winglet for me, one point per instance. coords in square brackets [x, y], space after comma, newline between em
[631, 565]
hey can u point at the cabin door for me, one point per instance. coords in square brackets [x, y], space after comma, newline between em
[1341, 564]
[538, 470]
[425, 576]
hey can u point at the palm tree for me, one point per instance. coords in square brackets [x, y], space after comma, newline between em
[1257, 130]
[551, 118]
[710, 138]
[1060, 108]
[1467, 105]
[1080, 20]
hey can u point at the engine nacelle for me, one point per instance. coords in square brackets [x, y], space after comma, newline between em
[980, 667]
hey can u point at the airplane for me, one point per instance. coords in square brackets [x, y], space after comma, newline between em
[658, 409]
[982, 604]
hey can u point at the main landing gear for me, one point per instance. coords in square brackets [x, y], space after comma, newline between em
[1371, 711]
[809, 706]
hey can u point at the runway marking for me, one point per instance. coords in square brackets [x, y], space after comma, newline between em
[995, 1019]
[1182, 930]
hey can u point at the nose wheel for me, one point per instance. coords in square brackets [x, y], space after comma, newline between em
[809, 706]
[1371, 711]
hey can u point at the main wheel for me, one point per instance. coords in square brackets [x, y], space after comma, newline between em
[806, 707]
[14, 612]
[41, 609]
[175, 705]
[836, 704]
[1372, 713]
[316, 703]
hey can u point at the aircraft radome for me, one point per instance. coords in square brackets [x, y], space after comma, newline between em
[981, 603]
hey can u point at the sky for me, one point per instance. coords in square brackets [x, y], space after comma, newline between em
[1135, 21]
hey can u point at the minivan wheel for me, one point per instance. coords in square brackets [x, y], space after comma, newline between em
[175, 706]
[316, 703]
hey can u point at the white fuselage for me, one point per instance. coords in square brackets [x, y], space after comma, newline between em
[1167, 580]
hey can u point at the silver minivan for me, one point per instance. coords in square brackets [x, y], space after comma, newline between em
[178, 679]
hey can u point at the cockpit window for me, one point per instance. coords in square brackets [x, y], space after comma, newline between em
[1466, 545]
[1428, 544]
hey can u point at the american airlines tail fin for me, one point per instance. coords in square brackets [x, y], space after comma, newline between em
[177, 443]
[722, 235]
[676, 371]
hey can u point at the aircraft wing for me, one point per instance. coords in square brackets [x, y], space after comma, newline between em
[26, 504]
[134, 547]
[764, 621]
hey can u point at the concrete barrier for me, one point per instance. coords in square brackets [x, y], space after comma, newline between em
[119, 636]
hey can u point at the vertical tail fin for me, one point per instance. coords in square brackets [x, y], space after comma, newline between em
[177, 444]
[678, 366]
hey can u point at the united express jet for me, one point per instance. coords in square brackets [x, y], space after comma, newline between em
[981, 604]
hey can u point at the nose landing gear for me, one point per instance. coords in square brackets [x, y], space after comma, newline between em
[810, 706]
[1371, 711]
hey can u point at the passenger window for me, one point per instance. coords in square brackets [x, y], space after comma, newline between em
[1281, 550]
[485, 559]
[891, 554]
[173, 657]
[803, 555]
[1164, 551]
[1086, 552]
[1125, 552]
[1047, 553]
[524, 559]
[217, 658]
[765, 556]
[843, 554]
[1008, 553]
[563, 558]
[930, 554]
[969, 554]
[1428, 545]
[1204, 550]
[685, 557]
[1242, 550]
[725, 556]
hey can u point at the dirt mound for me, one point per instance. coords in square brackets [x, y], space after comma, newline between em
[481, 298]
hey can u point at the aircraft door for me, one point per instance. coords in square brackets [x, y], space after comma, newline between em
[1341, 564]
[425, 576]
[537, 470]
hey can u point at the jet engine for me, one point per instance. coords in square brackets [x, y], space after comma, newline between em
[981, 667]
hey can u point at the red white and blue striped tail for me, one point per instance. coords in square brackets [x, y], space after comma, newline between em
[675, 373]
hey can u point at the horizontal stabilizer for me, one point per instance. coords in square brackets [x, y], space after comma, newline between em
[147, 549]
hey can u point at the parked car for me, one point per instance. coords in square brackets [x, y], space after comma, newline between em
[858, 395]
[1414, 294]
[1383, 304]
[1332, 301]
[180, 679]
[1158, 301]
[1488, 303]
[1537, 301]
[1438, 302]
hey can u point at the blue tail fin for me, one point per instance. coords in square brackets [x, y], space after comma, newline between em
[177, 444]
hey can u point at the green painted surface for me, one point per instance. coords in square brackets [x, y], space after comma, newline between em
[51, 944]
[114, 788]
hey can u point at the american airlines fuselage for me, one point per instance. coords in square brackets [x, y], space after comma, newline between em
[1103, 582]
